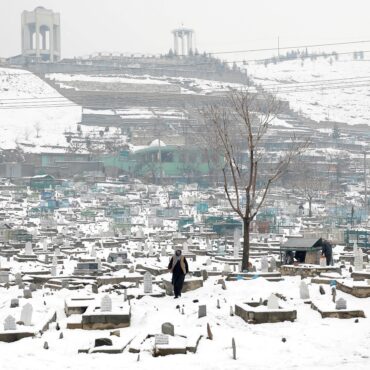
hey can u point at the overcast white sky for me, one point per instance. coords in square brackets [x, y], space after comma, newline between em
[144, 25]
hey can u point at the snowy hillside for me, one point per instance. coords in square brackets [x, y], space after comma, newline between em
[32, 114]
[325, 89]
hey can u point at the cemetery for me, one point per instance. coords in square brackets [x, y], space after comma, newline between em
[87, 287]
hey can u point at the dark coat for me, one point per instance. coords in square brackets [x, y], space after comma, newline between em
[177, 270]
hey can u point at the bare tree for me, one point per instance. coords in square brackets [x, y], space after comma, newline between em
[309, 182]
[237, 128]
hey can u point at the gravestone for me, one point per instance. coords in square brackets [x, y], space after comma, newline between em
[98, 261]
[65, 284]
[185, 247]
[99, 342]
[94, 288]
[106, 304]
[148, 283]
[55, 260]
[18, 278]
[125, 294]
[53, 270]
[161, 339]
[57, 252]
[273, 302]
[131, 269]
[26, 314]
[93, 252]
[359, 259]
[236, 243]
[168, 328]
[204, 275]
[119, 260]
[163, 252]
[264, 264]
[322, 262]
[273, 264]
[9, 323]
[226, 268]
[303, 290]
[4, 277]
[27, 293]
[14, 303]
[202, 311]
[341, 304]
[28, 249]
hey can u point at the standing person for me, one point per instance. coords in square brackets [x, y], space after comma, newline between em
[179, 268]
[327, 251]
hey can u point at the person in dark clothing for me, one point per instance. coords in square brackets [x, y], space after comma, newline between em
[327, 251]
[300, 256]
[179, 267]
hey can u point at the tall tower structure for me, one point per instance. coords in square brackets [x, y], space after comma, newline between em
[185, 37]
[41, 35]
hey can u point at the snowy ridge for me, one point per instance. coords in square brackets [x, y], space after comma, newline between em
[325, 89]
[33, 115]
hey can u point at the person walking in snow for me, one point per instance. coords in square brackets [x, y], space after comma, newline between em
[327, 251]
[179, 267]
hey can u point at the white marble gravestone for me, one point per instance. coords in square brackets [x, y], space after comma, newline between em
[273, 302]
[236, 243]
[9, 323]
[26, 314]
[28, 249]
[303, 290]
[57, 251]
[359, 259]
[264, 264]
[148, 283]
[119, 260]
[106, 304]
[55, 260]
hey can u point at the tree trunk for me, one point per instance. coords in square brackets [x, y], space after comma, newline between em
[310, 207]
[245, 261]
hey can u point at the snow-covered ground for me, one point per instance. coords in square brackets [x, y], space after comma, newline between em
[325, 89]
[187, 85]
[32, 112]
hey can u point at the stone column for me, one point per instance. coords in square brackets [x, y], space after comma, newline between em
[51, 43]
[182, 42]
[175, 43]
[190, 42]
[37, 31]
